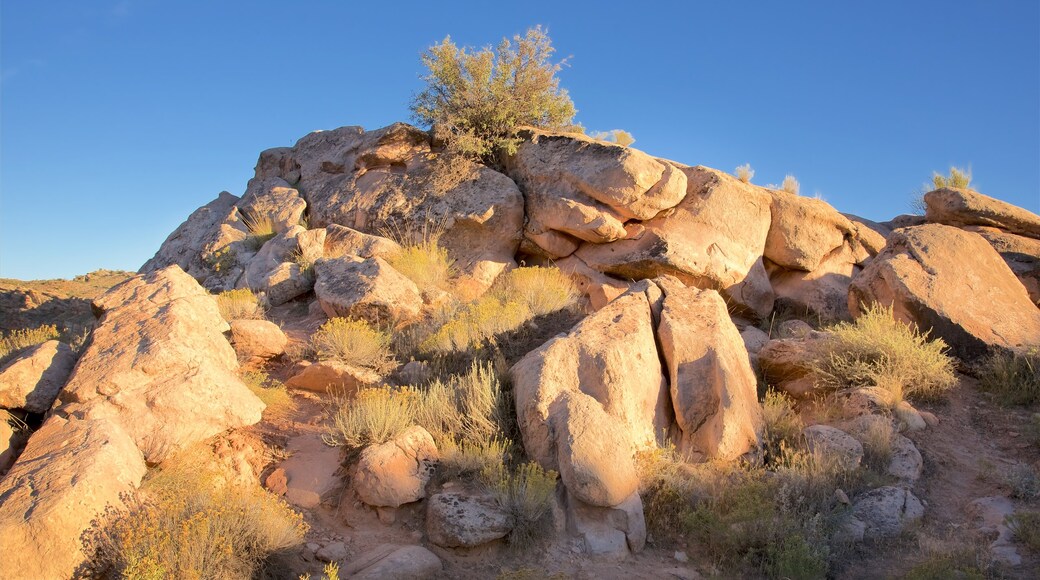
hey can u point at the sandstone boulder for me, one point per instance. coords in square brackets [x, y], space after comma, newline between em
[365, 289]
[158, 365]
[834, 444]
[455, 520]
[272, 200]
[787, 364]
[712, 385]
[10, 441]
[68, 473]
[964, 207]
[343, 241]
[804, 231]
[926, 272]
[1021, 254]
[34, 378]
[714, 238]
[257, 339]
[886, 511]
[332, 377]
[394, 473]
[613, 532]
[392, 562]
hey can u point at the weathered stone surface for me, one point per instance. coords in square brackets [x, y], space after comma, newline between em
[456, 520]
[257, 339]
[992, 514]
[1021, 254]
[70, 471]
[272, 199]
[925, 273]
[158, 365]
[804, 231]
[10, 440]
[332, 377]
[613, 532]
[712, 385]
[835, 444]
[587, 189]
[605, 374]
[713, 239]
[599, 287]
[886, 511]
[365, 289]
[964, 207]
[394, 473]
[392, 562]
[788, 364]
[35, 377]
[343, 241]
[871, 234]
[906, 464]
[822, 293]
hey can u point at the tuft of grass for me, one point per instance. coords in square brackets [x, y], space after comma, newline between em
[667, 486]
[958, 178]
[790, 185]
[271, 392]
[1026, 528]
[469, 406]
[329, 572]
[187, 523]
[879, 351]
[17, 340]
[945, 559]
[305, 260]
[1013, 377]
[470, 461]
[240, 304]
[515, 298]
[372, 416]
[745, 173]
[426, 263]
[261, 229]
[877, 442]
[782, 423]
[528, 495]
[353, 342]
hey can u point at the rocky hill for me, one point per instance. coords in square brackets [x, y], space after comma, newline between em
[581, 360]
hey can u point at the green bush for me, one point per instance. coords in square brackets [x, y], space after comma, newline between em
[353, 342]
[879, 351]
[481, 96]
[1013, 377]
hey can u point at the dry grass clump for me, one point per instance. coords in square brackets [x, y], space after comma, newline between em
[189, 524]
[426, 263]
[261, 229]
[790, 185]
[877, 440]
[879, 351]
[468, 460]
[16, 340]
[372, 416]
[1026, 527]
[945, 559]
[353, 342]
[782, 422]
[618, 136]
[528, 495]
[240, 304]
[1013, 377]
[959, 178]
[468, 406]
[271, 393]
[745, 173]
[515, 298]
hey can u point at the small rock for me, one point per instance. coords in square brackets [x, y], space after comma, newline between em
[906, 462]
[333, 552]
[681, 557]
[277, 483]
[834, 443]
[841, 496]
[394, 473]
[909, 416]
[929, 418]
[794, 329]
[886, 511]
[456, 520]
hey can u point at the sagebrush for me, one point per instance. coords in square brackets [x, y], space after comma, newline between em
[353, 342]
[958, 178]
[372, 416]
[240, 304]
[16, 340]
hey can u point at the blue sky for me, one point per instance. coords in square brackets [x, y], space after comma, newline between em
[119, 118]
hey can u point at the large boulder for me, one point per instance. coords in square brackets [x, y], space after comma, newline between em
[714, 238]
[393, 562]
[70, 471]
[713, 388]
[394, 473]
[33, 380]
[455, 520]
[1021, 254]
[586, 189]
[365, 289]
[964, 207]
[804, 231]
[159, 366]
[613, 532]
[788, 363]
[344, 241]
[272, 200]
[953, 284]
[257, 340]
[610, 357]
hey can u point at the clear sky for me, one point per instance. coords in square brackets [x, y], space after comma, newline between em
[120, 117]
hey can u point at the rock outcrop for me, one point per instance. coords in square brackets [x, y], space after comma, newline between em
[365, 289]
[33, 380]
[964, 207]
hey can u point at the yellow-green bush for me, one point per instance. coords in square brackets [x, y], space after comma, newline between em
[192, 525]
[240, 304]
[468, 406]
[878, 350]
[470, 460]
[261, 229]
[541, 290]
[426, 263]
[959, 178]
[371, 417]
[353, 342]
[528, 495]
[16, 340]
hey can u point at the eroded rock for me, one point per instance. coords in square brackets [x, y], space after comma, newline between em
[34, 378]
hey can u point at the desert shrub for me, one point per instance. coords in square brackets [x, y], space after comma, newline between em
[878, 350]
[426, 263]
[305, 258]
[353, 342]
[959, 178]
[191, 525]
[1026, 528]
[1013, 377]
[16, 340]
[261, 229]
[271, 392]
[528, 495]
[240, 304]
[1023, 481]
[745, 173]
[668, 486]
[467, 406]
[790, 185]
[781, 421]
[877, 442]
[480, 97]
[372, 416]
[221, 260]
[515, 298]
[619, 136]
[468, 460]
